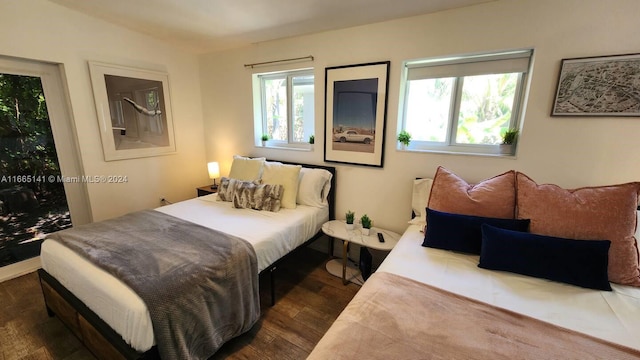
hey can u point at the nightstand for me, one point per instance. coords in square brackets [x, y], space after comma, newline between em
[206, 190]
[337, 229]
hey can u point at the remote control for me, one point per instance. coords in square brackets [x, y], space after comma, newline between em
[380, 237]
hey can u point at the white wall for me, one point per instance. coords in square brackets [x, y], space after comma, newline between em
[568, 151]
[41, 30]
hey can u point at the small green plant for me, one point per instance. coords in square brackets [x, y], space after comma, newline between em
[264, 137]
[312, 139]
[509, 136]
[366, 222]
[404, 137]
[350, 216]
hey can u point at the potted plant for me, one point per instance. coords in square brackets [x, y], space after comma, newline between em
[508, 140]
[312, 139]
[366, 224]
[264, 139]
[404, 138]
[350, 217]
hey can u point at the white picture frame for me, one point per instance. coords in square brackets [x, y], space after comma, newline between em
[134, 112]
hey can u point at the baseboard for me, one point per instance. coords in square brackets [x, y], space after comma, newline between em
[20, 268]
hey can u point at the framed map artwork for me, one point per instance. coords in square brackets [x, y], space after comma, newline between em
[599, 86]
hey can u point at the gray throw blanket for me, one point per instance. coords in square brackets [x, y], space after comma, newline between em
[200, 285]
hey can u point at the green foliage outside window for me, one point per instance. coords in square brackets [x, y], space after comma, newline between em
[26, 140]
[32, 200]
[485, 109]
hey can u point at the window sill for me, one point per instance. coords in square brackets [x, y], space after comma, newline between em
[445, 152]
[301, 147]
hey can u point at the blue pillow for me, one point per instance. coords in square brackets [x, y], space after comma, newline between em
[577, 262]
[463, 233]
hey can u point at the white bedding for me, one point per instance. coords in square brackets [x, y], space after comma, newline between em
[272, 235]
[613, 316]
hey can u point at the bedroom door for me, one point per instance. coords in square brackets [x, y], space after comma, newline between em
[37, 146]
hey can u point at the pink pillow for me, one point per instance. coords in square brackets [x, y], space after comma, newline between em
[494, 197]
[589, 213]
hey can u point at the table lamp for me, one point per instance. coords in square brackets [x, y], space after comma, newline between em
[214, 172]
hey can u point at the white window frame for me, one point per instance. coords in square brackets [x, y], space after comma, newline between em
[465, 65]
[260, 108]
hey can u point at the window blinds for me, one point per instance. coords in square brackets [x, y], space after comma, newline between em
[497, 63]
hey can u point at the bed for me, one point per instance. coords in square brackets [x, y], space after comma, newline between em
[114, 322]
[431, 303]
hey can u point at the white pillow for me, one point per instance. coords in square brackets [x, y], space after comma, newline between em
[246, 169]
[311, 189]
[285, 175]
[420, 200]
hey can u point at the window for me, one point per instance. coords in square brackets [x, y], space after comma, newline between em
[464, 103]
[284, 107]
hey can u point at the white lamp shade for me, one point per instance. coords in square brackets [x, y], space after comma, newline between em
[214, 170]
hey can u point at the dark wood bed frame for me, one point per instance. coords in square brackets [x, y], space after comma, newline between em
[106, 343]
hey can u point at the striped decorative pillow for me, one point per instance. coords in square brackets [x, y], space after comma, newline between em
[249, 195]
[227, 187]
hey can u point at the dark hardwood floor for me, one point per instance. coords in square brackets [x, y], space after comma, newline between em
[308, 301]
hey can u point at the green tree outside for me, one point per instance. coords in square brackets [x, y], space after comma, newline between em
[30, 204]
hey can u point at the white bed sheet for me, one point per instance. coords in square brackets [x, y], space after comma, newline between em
[272, 235]
[613, 316]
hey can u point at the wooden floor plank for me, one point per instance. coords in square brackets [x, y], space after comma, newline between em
[39, 354]
[308, 301]
[17, 344]
[291, 330]
[317, 320]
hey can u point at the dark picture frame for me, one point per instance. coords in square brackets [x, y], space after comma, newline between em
[355, 113]
[134, 111]
[598, 86]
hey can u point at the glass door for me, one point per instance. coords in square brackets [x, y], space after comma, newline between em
[36, 140]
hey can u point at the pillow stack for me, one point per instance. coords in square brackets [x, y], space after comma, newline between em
[258, 184]
[590, 213]
[583, 237]
[457, 210]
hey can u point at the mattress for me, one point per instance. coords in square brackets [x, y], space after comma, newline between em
[272, 234]
[612, 316]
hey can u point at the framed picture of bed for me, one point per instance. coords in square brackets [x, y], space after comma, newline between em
[133, 107]
[355, 113]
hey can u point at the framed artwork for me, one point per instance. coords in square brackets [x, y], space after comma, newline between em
[134, 111]
[598, 86]
[355, 113]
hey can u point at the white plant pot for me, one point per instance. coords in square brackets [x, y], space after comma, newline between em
[506, 149]
[350, 226]
[366, 231]
[264, 143]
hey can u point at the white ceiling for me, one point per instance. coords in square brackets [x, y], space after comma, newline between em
[212, 25]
